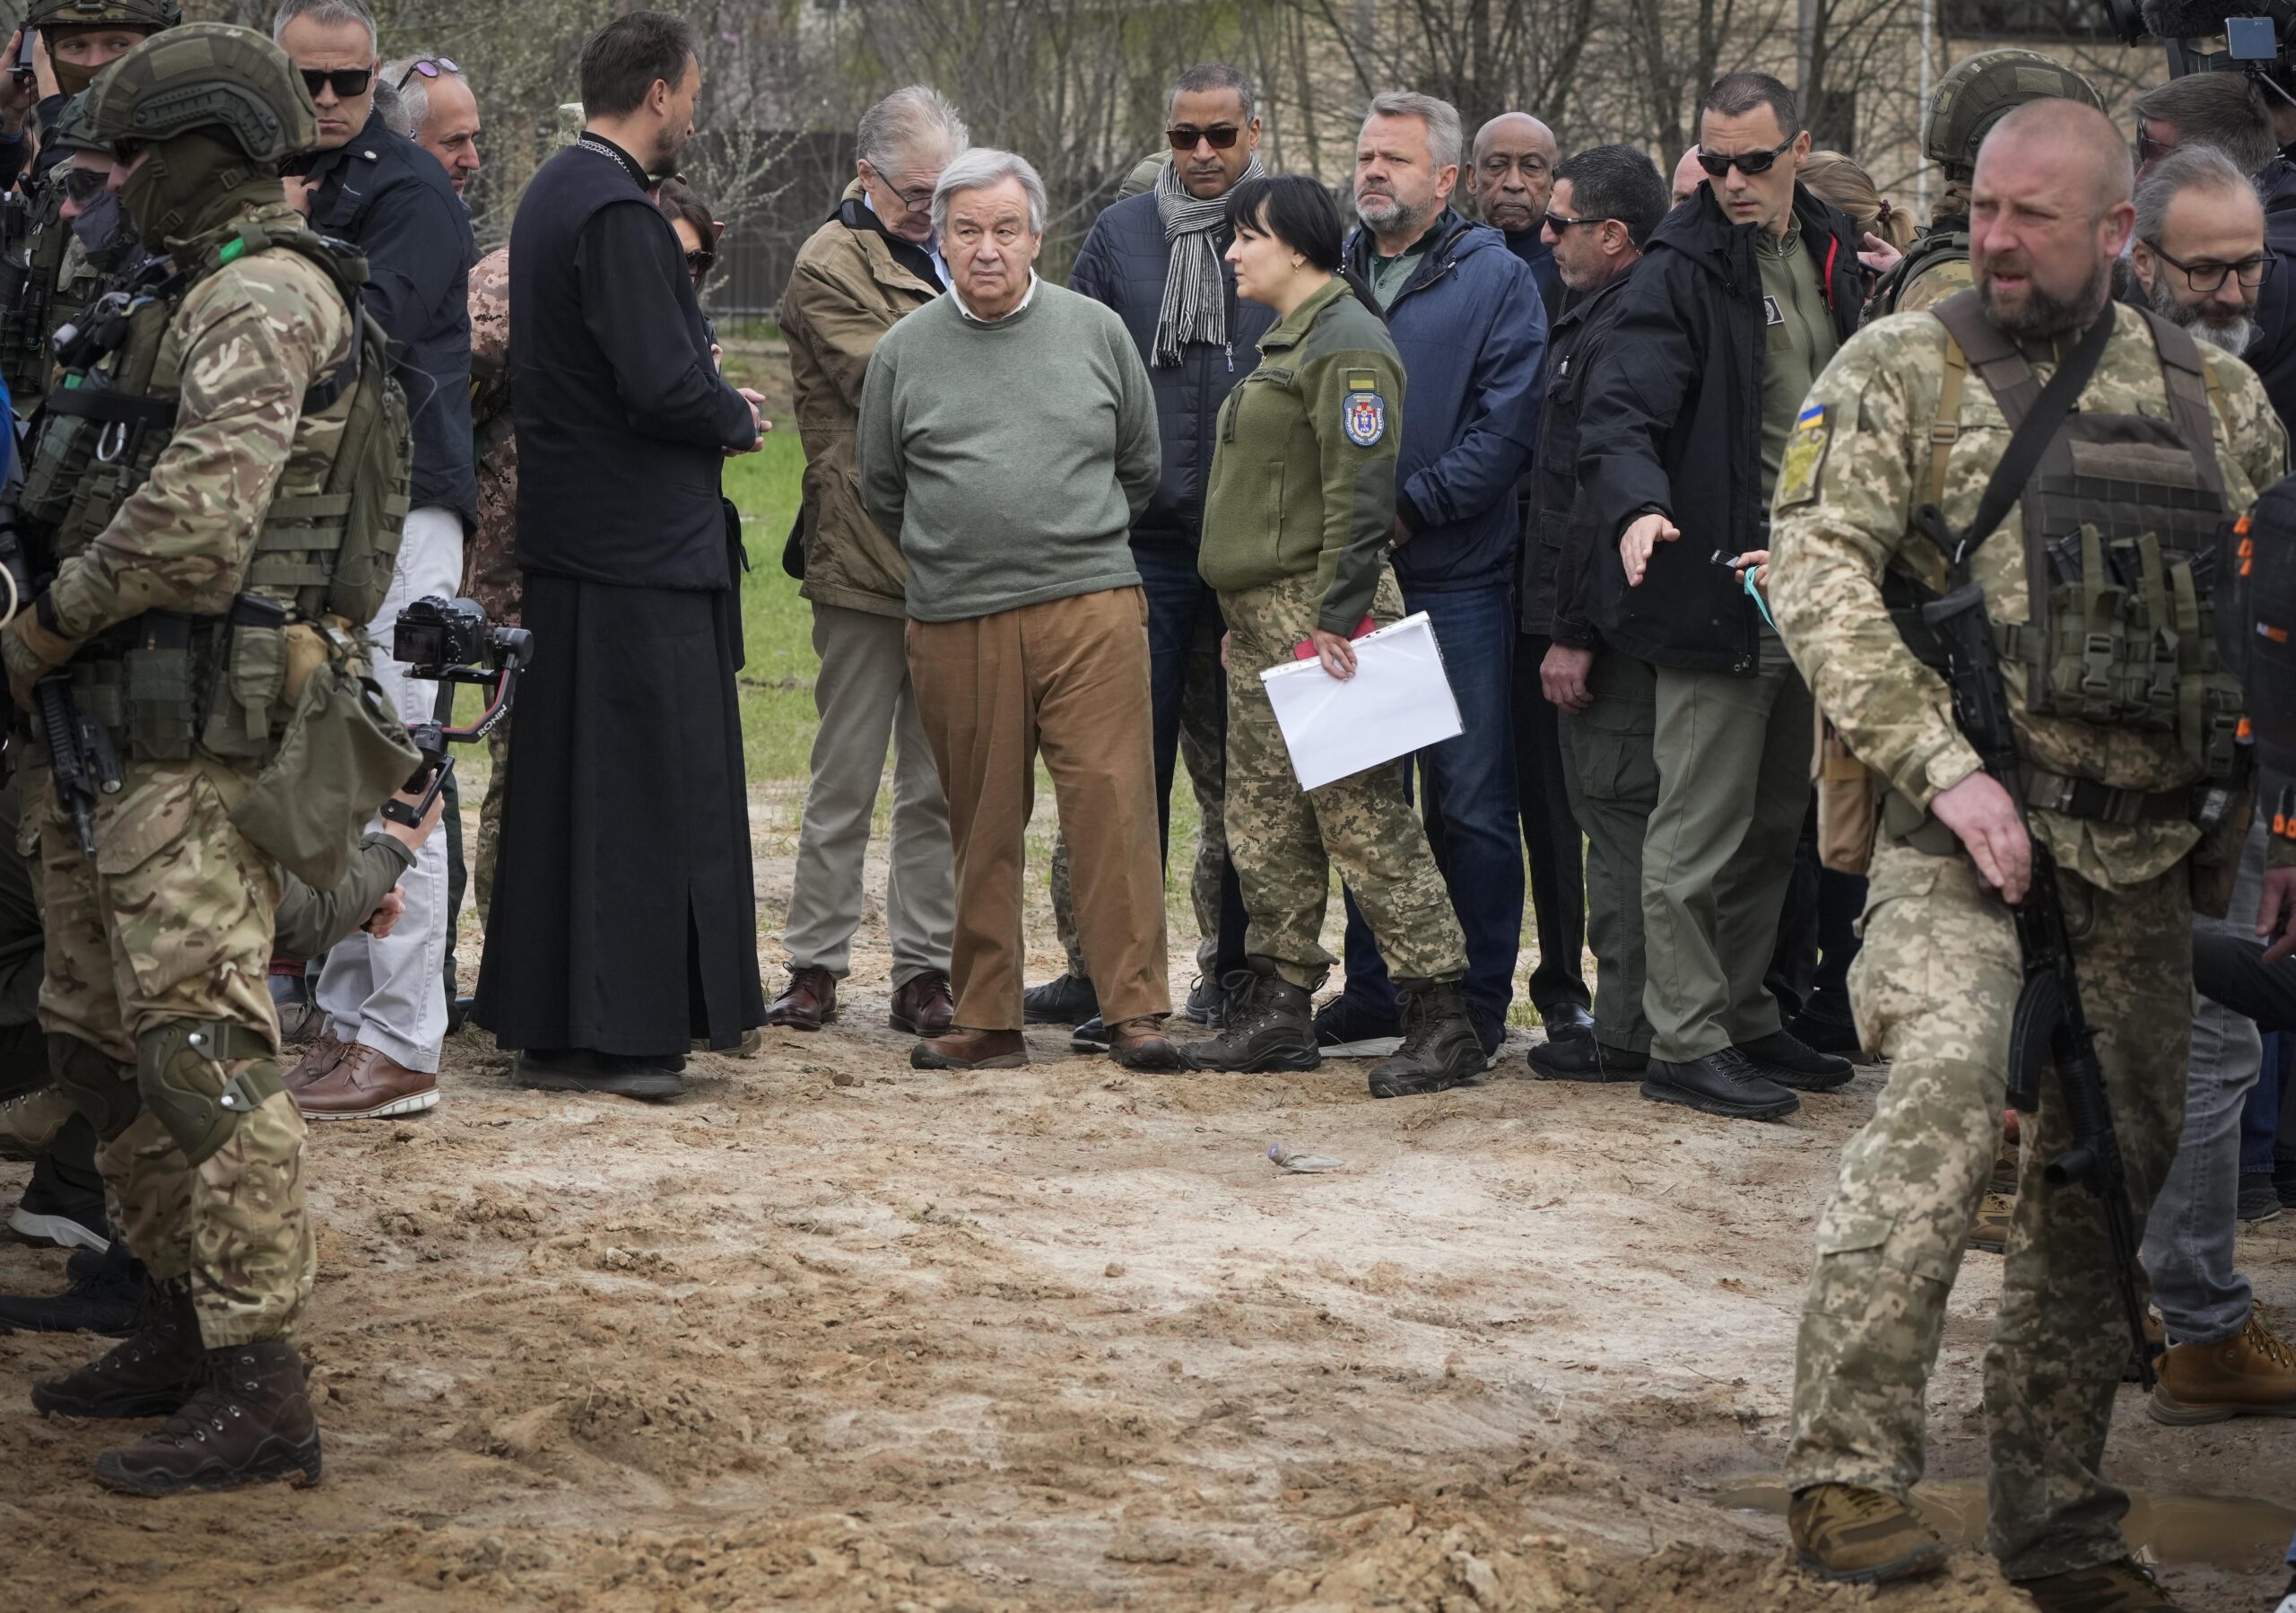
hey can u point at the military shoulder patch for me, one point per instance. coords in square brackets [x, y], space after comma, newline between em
[1364, 416]
[1804, 457]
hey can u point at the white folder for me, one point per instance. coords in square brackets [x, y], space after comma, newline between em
[1399, 700]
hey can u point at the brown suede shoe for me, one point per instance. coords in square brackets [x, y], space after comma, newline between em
[367, 1085]
[1141, 1044]
[326, 1052]
[971, 1049]
[249, 1421]
[808, 1003]
[1855, 1536]
[2252, 1373]
[924, 1006]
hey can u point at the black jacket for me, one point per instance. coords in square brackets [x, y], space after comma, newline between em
[623, 421]
[390, 199]
[1561, 546]
[1673, 423]
[1122, 263]
[2273, 354]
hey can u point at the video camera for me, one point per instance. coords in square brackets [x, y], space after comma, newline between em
[450, 641]
[2257, 35]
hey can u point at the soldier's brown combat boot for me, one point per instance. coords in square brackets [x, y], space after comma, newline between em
[2122, 1587]
[249, 1422]
[2252, 1373]
[1860, 1537]
[1271, 1024]
[151, 1372]
[1440, 1048]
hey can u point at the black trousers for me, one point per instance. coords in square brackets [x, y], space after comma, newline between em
[1551, 837]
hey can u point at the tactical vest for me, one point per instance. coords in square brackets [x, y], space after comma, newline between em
[2124, 519]
[1932, 248]
[33, 238]
[325, 552]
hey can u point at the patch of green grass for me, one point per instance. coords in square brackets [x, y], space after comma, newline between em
[777, 686]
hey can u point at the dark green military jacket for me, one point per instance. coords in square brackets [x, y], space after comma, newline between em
[1303, 477]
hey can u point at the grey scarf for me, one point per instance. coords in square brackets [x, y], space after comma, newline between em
[1196, 298]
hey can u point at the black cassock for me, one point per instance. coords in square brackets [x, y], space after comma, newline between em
[624, 916]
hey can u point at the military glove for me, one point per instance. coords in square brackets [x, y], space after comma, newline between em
[29, 649]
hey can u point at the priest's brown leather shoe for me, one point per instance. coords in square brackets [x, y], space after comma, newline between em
[1141, 1044]
[924, 1006]
[971, 1049]
[807, 1003]
[367, 1084]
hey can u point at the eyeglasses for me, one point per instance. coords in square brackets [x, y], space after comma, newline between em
[1220, 136]
[699, 263]
[2207, 277]
[917, 198]
[429, 67]
[1557, 222]
[349, 83]
[83, 185]
[1717, 164]
[2148, 149]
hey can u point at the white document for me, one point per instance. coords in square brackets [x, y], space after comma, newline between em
[1399, 700]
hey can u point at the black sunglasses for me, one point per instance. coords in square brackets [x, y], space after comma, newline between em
[429, 67]
[2207, 277]
[83, 185]
[350, 83]
[1557, 222]
[1222, 135]
[1718, 164]
[698, 262]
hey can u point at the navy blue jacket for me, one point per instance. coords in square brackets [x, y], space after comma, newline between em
[2273, 354]
[1472, 330]
[1530, 246]
[1122, 263]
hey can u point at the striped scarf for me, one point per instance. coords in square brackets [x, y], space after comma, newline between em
[1196, 299]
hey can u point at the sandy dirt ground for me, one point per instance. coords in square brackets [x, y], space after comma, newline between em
[832, 1333]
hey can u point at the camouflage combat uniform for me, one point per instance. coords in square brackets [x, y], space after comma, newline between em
[491, 561]
[1939, 974]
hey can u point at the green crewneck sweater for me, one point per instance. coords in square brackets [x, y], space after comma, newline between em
[1007, 460]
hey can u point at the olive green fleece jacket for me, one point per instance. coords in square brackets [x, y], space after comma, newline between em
[1303, 476]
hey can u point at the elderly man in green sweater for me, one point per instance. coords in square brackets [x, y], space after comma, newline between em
[1007, 438]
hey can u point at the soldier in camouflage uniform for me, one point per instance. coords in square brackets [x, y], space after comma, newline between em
[1973, 96]
[1316, 427]
[491, 563]
[159, 1023]
[1904, 416]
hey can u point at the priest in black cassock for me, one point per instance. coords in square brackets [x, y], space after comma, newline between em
[622, 925]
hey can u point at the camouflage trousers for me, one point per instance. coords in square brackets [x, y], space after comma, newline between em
[1284, 840]
[1203, 753]
[490, 821]
[1934, 988]
[167, 933]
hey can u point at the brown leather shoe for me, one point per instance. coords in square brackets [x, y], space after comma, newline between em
[924, 1006]
[323, 1055]
[808, 1003]
[971, 1049]
[1141, 1044]
[367, 1085]
[2252, 1373]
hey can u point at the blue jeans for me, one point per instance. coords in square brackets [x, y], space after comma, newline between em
[1472, 820]
[2260, 1117]
[1182, 607]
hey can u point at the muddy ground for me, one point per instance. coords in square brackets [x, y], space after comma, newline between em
[832, 1333]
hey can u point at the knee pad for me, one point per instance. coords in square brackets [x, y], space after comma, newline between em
[181, 1074]
[97, 1087]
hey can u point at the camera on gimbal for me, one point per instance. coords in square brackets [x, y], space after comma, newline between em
[450, 641]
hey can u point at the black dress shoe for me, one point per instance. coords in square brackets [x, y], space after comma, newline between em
[1577, 1056]
[1566, 1018]
[1789, 1061]
[614, 1075]
[1068, 1000]
[1724, 1083]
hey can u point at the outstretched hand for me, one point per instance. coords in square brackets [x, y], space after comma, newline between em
[1640, 540]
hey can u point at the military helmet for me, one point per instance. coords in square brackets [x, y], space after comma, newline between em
[1975, 93]
[206, 76]
[73, 130]
[45, 15]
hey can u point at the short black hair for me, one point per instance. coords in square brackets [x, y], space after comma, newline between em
[1206, 76]
[1617, 181]
[1737, 94]
[623, 58]
[1302, 214]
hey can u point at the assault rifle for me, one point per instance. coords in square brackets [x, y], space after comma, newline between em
[82, 760]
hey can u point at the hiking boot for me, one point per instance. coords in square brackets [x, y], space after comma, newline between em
[108, 1295]
[609, 1074]
[1724, 1083]
[1090, 1037]
[2259, 1201]
[2252, 1373]
[925, 1005]
[1068, 1000]
[1271, 1025]
[148, 1373]
[1440, 1048]
[1345, 1029]
[1994, 1214]
[971, 1049]
[248, 1422]
[2121, 1587]
[57, 1211]
[327, 1050]
[30, 1121]
[1208, 999]
[807, 1003]
[1848, 1533]
[1140, 1043]
[1785, 1059]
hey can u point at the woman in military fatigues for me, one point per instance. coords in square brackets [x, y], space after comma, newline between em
[1298, 517]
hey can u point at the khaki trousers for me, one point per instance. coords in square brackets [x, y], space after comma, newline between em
[1068, 677]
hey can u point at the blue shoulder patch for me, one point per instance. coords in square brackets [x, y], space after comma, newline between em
[1365, 417]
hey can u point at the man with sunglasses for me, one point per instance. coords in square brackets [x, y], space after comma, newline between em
[437, 111]
[1745, 293]
[384, 1001]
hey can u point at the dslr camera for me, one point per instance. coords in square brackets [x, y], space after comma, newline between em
[448, 642]
[2256, 35]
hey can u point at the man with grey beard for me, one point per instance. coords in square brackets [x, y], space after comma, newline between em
[2199, 249]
